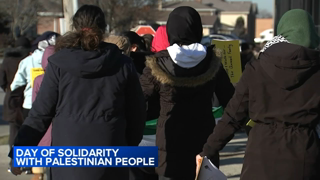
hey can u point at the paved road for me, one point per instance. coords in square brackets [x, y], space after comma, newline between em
[231, 157]
[4, 127]
[4, 161]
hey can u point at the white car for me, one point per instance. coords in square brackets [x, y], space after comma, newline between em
[266, 35]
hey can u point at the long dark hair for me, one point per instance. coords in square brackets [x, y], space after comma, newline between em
[89, 26]
[134, 38]
[148, 38]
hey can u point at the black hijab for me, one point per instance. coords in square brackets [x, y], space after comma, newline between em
[184, 26]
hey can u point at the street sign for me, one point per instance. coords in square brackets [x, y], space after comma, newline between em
[142, 30]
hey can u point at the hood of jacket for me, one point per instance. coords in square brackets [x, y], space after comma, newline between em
[187, 56]
[88, 64]
[18, 52]
[289, 65]
[166, 71]
[160, 41]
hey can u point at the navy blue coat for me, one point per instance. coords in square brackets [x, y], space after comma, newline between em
[95, 99]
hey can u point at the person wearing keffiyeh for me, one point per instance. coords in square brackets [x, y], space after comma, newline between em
[280, 93]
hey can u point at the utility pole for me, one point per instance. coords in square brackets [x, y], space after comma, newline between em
[70, 7]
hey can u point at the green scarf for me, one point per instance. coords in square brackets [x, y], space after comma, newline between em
[297, 27]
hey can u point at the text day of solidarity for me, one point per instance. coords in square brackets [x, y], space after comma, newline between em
[68, 153]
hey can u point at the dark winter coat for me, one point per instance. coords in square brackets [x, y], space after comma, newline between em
[186, 117]
[280, 92]
[14, 103]
[153, 104]
[139, 59]
[95, 99]
[8, 70]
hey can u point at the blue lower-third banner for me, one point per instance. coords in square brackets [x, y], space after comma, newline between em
[85, 156]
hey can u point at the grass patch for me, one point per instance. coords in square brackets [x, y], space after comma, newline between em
[4, 140]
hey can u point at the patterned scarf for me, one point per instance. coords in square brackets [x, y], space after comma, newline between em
[273, 41]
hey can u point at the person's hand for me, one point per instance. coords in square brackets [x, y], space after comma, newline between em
[15, 170]
[198, 161]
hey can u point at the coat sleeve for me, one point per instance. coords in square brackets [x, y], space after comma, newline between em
[135, 109]
[42, 112]
[224, 89]
[232, 120]
[3, 75]
[149, 87]
[20, 76]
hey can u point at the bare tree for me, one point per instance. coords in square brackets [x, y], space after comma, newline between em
[123, 14]
[23, 15]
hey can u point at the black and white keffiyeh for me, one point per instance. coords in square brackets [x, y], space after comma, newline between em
[275, 40]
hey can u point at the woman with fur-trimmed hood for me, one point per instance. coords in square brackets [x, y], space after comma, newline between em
[185, 76]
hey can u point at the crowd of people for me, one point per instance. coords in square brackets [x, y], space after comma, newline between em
[100, 90]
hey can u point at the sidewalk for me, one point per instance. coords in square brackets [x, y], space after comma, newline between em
[231, 157]
[4, 164]
[4, 130]
[4, 127]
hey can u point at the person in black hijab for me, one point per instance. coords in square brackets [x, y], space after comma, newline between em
[185, 76]
[189, 20]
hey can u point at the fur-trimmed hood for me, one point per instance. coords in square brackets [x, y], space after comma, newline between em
[17, 52]
[167, 72]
